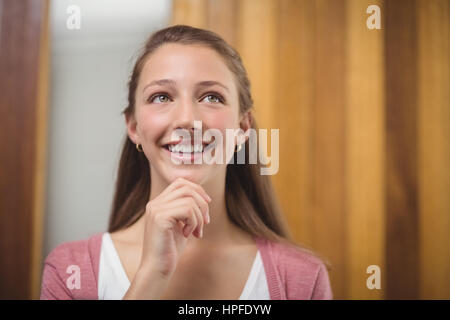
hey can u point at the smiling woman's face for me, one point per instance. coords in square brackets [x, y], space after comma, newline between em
[180, 84]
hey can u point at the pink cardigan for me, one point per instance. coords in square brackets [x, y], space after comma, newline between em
[292, 274]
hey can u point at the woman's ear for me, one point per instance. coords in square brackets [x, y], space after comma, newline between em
[131, 127]
[246, 122]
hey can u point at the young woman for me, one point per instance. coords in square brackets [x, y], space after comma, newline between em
[180, 230]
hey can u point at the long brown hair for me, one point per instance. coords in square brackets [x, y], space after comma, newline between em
[250, 198]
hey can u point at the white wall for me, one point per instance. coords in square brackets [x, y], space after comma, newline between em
[88, 90]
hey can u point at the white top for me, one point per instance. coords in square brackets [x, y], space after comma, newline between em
[113, 281]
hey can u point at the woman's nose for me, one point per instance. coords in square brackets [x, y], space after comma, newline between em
[185, 114]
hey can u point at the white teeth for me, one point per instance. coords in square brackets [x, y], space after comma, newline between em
[186, 148]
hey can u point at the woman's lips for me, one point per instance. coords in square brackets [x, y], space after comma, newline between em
[188, 155]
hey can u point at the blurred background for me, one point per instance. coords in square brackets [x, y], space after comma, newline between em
[363, 114]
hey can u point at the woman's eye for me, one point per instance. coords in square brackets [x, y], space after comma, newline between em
[213, 98]
[163, 98]
[159, 98]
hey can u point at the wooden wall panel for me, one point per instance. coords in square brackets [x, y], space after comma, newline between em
[40, 165]
[328, 139]
[433, 103]
[296, 64]
[257, 45]
[222, 19]
[191, 12]
[401, 142]
[364, 149]
[22, 145]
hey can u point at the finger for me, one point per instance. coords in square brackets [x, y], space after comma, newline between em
[187, 211]
[200, 221]
[191, 221]
[185, 215]
[191, 207]
[188, 191]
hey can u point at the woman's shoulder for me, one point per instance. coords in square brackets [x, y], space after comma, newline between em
[76, 251]
[300, 269]
[289, 253]
[71, 270]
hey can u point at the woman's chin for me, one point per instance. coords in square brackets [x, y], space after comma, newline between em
[195, 176]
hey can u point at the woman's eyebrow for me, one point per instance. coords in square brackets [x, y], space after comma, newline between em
[172, 83]
[211, 83]
[161, 82]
